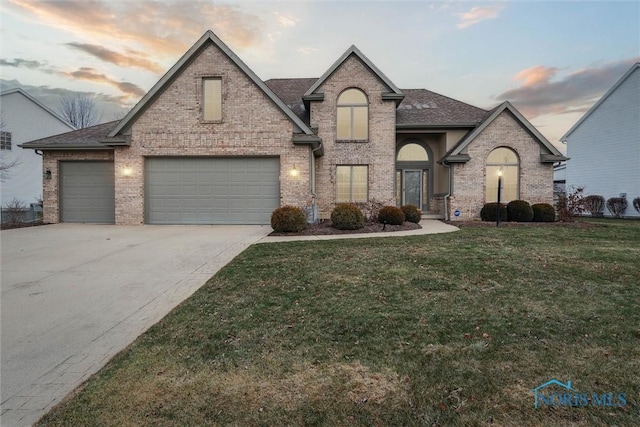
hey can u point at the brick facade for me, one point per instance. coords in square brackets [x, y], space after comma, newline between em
[536, 178]
[170, 124]
[378, 153]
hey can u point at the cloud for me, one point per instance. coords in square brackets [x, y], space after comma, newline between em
[132, 59]
[540, 94]
[19, 62]
[478, 14]
[307, 50]
[86, 73]
[111, 107]
[286, 21]
[165, 28]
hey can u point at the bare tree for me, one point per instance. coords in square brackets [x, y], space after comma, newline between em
[79, 110]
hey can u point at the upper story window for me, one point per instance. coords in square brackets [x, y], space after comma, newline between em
[212, 99]
[5, 140]
[353, 116]
[505, 161]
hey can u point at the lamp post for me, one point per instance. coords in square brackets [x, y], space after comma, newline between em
[498, 210]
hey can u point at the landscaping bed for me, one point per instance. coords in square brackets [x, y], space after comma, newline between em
[324, 228]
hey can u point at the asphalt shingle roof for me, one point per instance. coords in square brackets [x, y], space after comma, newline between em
[421, 106]
[85, 138]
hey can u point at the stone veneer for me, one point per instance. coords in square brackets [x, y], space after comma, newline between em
[378, 153]
[536, 178]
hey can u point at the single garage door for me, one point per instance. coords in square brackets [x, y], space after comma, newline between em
[87, 192]
[211, 190]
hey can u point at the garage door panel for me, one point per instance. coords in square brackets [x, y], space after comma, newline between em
[211, 190]
[87, 192]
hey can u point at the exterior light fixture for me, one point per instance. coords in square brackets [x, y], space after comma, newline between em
[294, 171]
[127, 171]
[498, 210]
[47, 174]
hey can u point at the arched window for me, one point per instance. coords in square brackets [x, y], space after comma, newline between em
[352, 116]
[503, 160]
[413, 153]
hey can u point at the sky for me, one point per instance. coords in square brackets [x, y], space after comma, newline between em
[552, 59]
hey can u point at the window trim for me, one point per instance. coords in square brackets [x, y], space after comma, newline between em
[351, 108]
[501, 165]
[6, 140]
[351, 200]
[203, 80]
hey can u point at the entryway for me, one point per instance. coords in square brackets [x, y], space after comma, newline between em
[413, 168]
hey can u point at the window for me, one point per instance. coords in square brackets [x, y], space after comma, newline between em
[413, 153]
[505, 160]
[352, 116]
[212, 100]
[351, 184]
[5, 140]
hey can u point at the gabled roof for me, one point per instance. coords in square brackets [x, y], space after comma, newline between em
[86, 139]
[633, 68]
[159, 87]
[456, 153]
[290, 91]
[421, 107]
[393, 94]
[38, 103]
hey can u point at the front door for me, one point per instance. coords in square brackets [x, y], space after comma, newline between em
[412, 187]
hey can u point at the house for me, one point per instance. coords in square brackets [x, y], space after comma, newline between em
[604, 145]
[211, 143]
[24, 118]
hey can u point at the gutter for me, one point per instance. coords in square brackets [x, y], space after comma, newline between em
[447, 215]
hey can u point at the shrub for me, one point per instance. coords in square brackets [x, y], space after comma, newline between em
[347, 216]
[15, 211]
[519, 211]
[370, 209]
[391, 215]
[636, 204]
[594, 204]
[288, 219]
[570, 204]
[543, 212]
[489, 212]
[616, 206]
[412, 213]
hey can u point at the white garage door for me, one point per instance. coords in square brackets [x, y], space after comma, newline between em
[211, 190]
[87, 192]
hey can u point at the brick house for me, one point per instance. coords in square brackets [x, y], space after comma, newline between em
[211, 143]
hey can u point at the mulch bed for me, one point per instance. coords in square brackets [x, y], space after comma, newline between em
[325, 228]
[573, 224]
[12, 225]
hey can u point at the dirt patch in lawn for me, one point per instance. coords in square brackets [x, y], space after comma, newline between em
[325, 228]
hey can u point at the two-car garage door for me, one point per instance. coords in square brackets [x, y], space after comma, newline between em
[191, 190]
[178, 190]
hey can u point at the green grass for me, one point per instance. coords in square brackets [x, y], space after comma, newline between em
[451, 329]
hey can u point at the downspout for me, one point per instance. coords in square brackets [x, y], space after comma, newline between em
[447, 216]
[312, 174]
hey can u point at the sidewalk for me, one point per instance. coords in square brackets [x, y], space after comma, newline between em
[429, 226]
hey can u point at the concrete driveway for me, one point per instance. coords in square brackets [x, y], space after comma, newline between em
[73, 295]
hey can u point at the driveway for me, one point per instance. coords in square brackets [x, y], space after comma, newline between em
[74, 295]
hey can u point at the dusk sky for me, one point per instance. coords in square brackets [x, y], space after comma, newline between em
[552, 60]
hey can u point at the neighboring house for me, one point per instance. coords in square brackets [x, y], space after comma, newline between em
[23, 118]
[211, 143]
[604, 145]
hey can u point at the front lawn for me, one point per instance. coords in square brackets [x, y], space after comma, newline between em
[449, 329]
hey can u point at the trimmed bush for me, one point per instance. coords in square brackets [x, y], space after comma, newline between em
[594, 204]
[489, 212]
[636, 204]
[412, 213]
[391, 215]
[288, 219]
[616, 206]
[519, 211]
[543, 212]
[347, 216]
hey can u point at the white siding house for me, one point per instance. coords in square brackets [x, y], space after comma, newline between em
[604, 145]
[24, 119]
